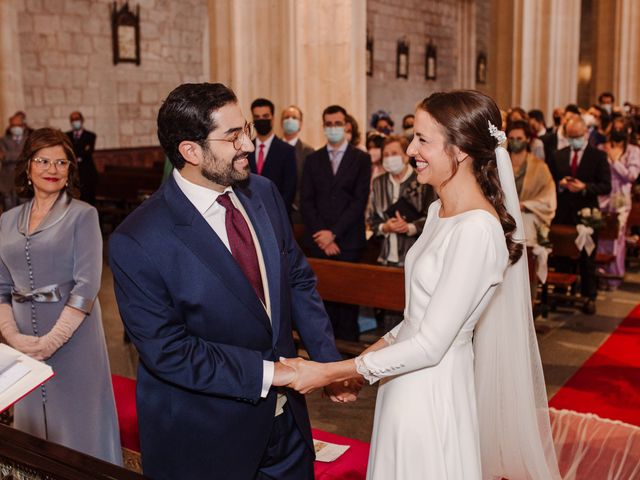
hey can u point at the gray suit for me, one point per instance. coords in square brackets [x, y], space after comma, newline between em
[302, 151]
[64, 253]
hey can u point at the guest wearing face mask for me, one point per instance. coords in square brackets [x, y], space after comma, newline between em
[624, 160]
[597, 119]
[335, 191]
[382, 122]
[375, 141]
[581, 173]
[407, 126]
[273, 158]
[291, 125]
[534, 182]
[84, 143]
[399, 203]
[606, 101]
[10, 147]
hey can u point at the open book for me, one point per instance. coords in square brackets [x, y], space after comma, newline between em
[19, 375]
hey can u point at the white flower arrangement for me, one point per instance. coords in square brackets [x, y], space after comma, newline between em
[591, 217]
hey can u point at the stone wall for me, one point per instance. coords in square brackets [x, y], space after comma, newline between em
[67, 64]
[418, 21]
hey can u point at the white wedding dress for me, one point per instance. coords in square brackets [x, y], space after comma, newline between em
[426, 422]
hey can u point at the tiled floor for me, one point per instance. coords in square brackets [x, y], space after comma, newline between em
[569, 340]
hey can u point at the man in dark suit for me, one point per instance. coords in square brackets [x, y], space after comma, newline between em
[272, 158]
[291, 126]
[335, 191]
[209, 282]
[84, 143]
[581, 173]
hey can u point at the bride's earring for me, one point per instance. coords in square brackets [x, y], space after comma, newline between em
[28, 181]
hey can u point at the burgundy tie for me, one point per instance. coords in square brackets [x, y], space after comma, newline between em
[574, 164]
[241, 243]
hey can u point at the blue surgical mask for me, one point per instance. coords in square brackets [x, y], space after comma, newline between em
[16, 131]
[76, 124]
[576, 143]
[335, 135]
[291, 125]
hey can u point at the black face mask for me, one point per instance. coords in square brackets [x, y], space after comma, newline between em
[263, 126]
[618, 135]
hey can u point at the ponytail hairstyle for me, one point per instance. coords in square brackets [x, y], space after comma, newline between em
[464, 116]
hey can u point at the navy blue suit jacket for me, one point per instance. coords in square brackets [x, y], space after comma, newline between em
[279, 167]
[202, 333]
[336, 202]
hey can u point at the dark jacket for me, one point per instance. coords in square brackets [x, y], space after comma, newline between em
[279, 167]
[593, 170]
[202, 333]
[336, 202]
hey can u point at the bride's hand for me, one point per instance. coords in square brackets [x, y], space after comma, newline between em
[309, 376]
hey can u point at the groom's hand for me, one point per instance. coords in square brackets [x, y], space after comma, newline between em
[344, 392]
[283, 375]
[309, 376]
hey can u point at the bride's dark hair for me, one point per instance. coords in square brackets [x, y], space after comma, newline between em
[464, 117]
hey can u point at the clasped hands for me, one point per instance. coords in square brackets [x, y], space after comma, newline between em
[325, 239]
[306, 376]
[396, 224]
[572, 184]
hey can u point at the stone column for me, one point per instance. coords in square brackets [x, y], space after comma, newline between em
[536, 44]
[311, 54]
[11, 90]
[626, 70]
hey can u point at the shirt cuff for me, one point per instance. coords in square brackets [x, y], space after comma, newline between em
[381, 231]
[413, 230]
[268, 369]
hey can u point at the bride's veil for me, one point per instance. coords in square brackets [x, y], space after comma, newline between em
[513, 413]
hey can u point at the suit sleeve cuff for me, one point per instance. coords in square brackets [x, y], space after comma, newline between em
[267, 377]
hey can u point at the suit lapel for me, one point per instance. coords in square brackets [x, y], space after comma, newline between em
[193, 230]
[268, 245]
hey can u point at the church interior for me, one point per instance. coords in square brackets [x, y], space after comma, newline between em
[565, 75]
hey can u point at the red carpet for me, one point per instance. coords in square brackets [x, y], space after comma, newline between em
[608, 384]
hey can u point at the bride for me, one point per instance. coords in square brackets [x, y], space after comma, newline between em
[461, 393]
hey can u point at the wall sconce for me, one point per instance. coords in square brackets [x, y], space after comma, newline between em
[369, 55]
[481, 68]
[430, 62]
[402, 59]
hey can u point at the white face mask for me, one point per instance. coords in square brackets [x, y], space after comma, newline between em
[589, 119]
[393, 164]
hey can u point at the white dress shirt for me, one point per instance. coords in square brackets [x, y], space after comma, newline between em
[204, 199]
[293, 141]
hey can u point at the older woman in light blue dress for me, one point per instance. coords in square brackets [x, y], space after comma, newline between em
[50, 268]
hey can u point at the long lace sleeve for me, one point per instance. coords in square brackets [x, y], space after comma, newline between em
[471, 268]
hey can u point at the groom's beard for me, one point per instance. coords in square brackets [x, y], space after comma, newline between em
[223, 173]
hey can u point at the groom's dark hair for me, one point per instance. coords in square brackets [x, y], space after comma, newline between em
[187, 114]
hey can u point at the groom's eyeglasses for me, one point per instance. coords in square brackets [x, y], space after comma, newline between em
[249, 131]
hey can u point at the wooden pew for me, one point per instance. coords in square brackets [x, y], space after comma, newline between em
[125, 177]
[359, 284]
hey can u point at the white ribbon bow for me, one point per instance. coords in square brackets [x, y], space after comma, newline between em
[542, 257]
[584, 240]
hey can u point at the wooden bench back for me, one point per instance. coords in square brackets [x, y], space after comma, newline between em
[360, 284]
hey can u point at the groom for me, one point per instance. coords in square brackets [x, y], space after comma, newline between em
[210, 282]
